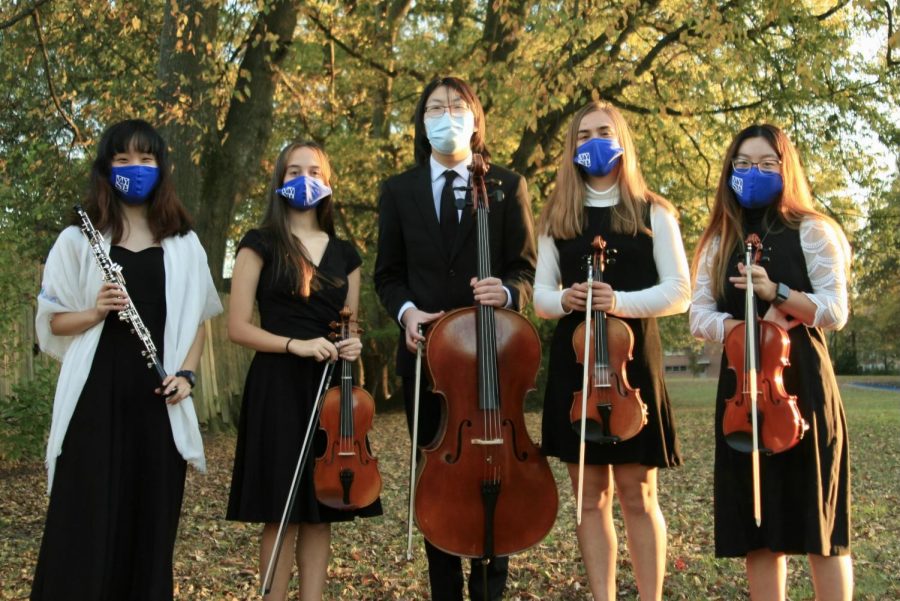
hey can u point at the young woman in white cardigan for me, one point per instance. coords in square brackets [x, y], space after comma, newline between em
[120, 439]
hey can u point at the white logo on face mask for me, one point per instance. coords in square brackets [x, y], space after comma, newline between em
[737, 184]
[287, 192]
[584, 159]
[122, 183]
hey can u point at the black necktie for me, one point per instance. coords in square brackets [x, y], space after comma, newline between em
[449, 216]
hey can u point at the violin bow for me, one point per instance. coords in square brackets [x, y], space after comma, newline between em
[584, 382]
[295, 483]
[751, 356]
[413, 447]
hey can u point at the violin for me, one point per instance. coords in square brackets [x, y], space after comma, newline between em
[610, 408]
[346, 475]
[760, 410]
[484, 489]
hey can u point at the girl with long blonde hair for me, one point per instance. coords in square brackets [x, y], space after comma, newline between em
[600, 191]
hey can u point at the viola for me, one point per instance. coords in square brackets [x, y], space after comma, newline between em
[484, 489]
[760, 415]
[613, 411]
[346, 475]
[762, 348]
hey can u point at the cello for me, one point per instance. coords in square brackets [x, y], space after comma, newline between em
[760, 408]
[346, 475]
[484, 489]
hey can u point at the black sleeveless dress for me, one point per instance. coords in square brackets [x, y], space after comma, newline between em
[117, 491]
[280, 392]
[805, 492]
[634, 268]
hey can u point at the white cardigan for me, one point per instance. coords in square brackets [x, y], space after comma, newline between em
[71, 283]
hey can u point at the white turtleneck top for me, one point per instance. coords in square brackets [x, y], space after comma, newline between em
[671, 295]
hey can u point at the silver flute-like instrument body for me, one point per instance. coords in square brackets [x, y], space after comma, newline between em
[112, 274]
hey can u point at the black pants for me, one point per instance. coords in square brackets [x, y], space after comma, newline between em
[445, 570]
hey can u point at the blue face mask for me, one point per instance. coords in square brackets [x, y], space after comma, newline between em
[304, 192]
[134, 183]
[598, 156]
[754, 188]
[450, 134]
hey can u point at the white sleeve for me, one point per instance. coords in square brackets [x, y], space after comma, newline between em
[548, 280]
[672, 293]
[706, 320]
[212, 304]
[827, 254]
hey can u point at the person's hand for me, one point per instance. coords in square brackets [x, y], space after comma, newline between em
[175, 389]
[779, 317]
[489, 291]
[110, 298]
[349, 349]
[412, 319]
[603, 297]
[319, 349]
[574, 298]
[763, 287]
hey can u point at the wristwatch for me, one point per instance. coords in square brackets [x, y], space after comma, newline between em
[188, 375]
[782, 292]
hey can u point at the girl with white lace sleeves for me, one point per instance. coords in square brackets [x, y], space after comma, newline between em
[800, 284]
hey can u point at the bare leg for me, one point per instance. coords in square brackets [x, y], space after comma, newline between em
[644, 525]
[282, 575]
[313, 551]
[597, 534]
[832, 577]
[767, 575]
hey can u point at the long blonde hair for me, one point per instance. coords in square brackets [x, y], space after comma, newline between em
[563, 215]
[726, 220]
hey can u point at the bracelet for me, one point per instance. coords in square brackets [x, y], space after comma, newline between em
[287, 345]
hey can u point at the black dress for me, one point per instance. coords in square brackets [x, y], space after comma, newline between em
[280, 391]
[634, 268]
[805, 491]
[117, 491]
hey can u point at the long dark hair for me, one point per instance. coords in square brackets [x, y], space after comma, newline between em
[291, 259]
[726, 218]
[422, 145]
[166, 216]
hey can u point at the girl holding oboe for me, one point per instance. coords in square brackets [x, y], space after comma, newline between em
[120, 439]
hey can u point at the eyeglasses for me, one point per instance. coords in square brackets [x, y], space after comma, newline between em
[438, 110]
[766, 165]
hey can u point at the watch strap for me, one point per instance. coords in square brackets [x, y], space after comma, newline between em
[188, 375]
[782, 292]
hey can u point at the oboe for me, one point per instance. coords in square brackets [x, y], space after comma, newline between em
[112, 274]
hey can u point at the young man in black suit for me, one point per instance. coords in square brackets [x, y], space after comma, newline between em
[426, 264]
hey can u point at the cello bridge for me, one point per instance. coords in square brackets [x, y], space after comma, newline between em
[484, 442]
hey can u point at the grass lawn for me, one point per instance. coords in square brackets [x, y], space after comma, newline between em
[215, 559]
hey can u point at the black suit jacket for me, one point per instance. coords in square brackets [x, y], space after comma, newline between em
[413, 265]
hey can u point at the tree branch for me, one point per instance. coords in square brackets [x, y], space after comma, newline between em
[890, 33]
[23, 15]
[36, 19]
[832, 10]
[390, 72]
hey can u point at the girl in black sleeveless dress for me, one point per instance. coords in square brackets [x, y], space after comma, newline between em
[118, 481]
[606, 196]
[801, 285]
[301, 276]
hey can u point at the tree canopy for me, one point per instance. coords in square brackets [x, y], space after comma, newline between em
[230, 82]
